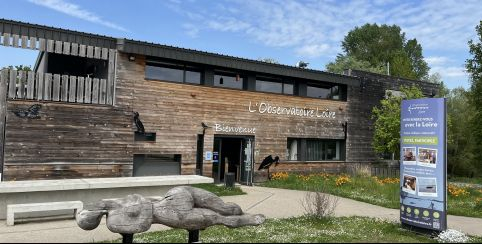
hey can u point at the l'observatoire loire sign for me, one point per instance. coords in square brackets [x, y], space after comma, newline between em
[423, 171]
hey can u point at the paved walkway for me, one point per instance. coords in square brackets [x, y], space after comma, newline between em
[274, 203]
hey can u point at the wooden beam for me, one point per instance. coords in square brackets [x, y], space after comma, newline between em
[88, 90]
[12, 84]
[110, 77]
[82, 50]
[72, 87]
[75, 49]
[95, 91]
[21, 85]
[65, 88]
[58, 47]
[48, 87]
[42, 45]
[50, 46]
[97, 51]
[56, 88]
[6, 39]
[24, 42]
[66, 48]
[3, 114]
[30, 84]
[33, 43]
[90, 51]
[102, 92]
[15, 40]
[105, 53]
[80, 89]
[39, 83]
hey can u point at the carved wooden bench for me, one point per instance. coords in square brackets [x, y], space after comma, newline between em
[44, 206]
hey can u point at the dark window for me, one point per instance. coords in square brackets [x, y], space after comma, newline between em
[164, 73]
[193, 77]
[229, 81]
[269, 86]
[317, 91]
[315, 149]
[288, 88]
[172, 72]
[324, 91]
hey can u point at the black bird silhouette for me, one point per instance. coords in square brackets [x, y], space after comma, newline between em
[137, 121]
[267, 162]
[31, 112]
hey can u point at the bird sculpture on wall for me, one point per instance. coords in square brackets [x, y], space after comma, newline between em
[302, 64]
[139, 125]
[267, 162]
[30, 113]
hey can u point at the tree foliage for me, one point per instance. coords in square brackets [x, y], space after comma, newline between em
[386, 138]
[379, 45]
[349, 62]
[474, 67]
[460, 138]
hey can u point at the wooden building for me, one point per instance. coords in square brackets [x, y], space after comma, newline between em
[73, 116]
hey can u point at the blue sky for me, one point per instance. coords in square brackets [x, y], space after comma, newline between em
[287, 31]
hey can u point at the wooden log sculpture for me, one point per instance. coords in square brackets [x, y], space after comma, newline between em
[182, 207]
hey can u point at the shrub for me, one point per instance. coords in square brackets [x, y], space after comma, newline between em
[319, 204]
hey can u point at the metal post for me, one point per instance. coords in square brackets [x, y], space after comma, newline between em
[127, 238]
[193, 236]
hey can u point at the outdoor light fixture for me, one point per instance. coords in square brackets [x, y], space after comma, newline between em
[205, 126]
[237, 77]
[132, 58]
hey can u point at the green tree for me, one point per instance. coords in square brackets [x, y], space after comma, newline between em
[386, 138]
[414, 52]
[474, 67]
[343, 62]
[384, 44]
[460, 138]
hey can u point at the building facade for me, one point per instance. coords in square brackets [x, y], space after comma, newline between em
[96, 106]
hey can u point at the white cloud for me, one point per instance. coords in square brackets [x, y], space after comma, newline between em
[315, 29]
[76, 11]
[436, 60]
[312, 51]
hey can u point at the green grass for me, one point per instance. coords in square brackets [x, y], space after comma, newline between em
[475, 180]
[298, 230]
[366, 189]
[220, 190]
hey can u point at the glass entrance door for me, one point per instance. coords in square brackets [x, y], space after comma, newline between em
[233, 155]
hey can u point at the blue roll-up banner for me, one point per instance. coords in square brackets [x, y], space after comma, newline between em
[423, 165]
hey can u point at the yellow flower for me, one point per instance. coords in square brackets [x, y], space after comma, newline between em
[341, 180]
[279, 176]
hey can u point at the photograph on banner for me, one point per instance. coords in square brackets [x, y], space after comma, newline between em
[409, 184]
[427, 157]
[427, 187]
[409, 155]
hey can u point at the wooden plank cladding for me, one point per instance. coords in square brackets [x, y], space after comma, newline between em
[54, 46]
[29, 85]
[175, 112]
[67, 141]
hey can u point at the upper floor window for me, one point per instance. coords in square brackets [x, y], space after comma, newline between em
[274, 86]
[324, 91]
[228, 80]
[172, 72]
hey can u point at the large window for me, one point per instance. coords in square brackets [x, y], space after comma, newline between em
[172, 72]
[274, 86]
[324, 91]
[300, 149]
[235, 81]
